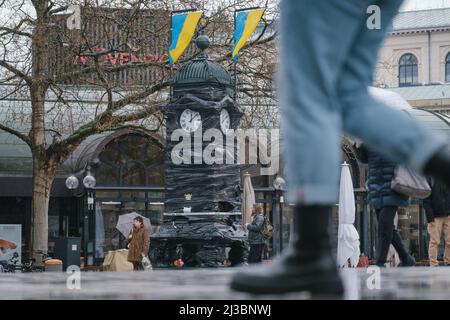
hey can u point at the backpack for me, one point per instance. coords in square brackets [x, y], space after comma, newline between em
[267, 229]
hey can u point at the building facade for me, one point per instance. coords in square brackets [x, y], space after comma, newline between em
[417, 51]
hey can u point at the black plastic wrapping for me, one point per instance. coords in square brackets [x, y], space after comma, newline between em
[205, 242]
[214, 187]
[216, 238]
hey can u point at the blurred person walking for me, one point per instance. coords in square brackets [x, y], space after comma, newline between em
[385, 201]
[328, 52]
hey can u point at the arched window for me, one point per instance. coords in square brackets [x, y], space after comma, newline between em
[131, 160]
[447, 68]
[408, 72]
[133, 174]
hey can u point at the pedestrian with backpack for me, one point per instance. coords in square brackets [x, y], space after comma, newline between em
[256, 238]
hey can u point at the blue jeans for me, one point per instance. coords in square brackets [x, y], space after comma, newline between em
[327, 59]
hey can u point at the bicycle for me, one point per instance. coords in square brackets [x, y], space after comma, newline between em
[12, 266]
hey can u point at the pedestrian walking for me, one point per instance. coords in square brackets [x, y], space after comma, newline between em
[327, 57]
[139, 243]
[437, 210]
[385, 201]
[255, 236]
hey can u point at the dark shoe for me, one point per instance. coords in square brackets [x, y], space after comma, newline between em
[439, 165]
[408, 262]
[307, 265]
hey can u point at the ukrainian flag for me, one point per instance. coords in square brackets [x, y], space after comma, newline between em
[183, 28]
[246, 23]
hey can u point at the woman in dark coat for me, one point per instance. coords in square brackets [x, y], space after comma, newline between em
[139, 244]
[255, 237]
[385, 202]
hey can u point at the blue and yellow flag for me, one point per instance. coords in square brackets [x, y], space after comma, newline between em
[183, 28]
[246, 23]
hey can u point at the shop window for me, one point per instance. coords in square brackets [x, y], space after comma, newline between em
[409, 227]
[107, 174]
[131, 160]
[156, 175]
[133, 174]
[408, 70]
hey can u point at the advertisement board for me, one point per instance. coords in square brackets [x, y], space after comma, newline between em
[11, 243]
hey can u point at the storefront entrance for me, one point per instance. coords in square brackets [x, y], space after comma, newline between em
[129, 169]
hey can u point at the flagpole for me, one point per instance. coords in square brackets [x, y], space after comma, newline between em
[235, 62]
[171, 64]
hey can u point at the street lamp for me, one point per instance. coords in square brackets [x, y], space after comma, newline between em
[279, 184]
[89, 183]
[72, 182]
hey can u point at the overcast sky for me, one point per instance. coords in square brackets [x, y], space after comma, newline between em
[425, 4]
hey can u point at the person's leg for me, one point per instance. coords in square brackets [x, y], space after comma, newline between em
[385, 231]
[446, 229]
[260, 249]
[252, 254]
[389, 132]
[316, 37]
[397, 242]
[406, 259]
[434, 230]
[307, 265]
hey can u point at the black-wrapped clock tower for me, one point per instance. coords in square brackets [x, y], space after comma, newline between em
[202, 177]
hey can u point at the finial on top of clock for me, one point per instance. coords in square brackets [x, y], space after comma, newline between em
[202, 42]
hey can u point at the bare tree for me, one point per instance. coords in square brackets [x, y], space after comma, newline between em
[118, 56]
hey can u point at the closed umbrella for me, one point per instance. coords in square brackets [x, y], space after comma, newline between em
[249, 199]
[125, 223]
[348, 238]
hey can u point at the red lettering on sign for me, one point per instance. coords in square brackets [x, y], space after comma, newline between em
[121, 58]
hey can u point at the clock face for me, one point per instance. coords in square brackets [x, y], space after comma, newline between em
[190, 120]
[225, 121]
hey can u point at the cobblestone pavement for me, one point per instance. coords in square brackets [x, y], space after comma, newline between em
[202, 284]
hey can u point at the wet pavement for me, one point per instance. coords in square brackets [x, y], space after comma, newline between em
[204, 284]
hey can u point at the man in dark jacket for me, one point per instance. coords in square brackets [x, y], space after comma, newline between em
[437, 210]
[255, 236]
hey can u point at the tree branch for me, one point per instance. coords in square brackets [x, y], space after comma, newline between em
[93, 69]
[16, 133]
[16, 30]
[16, 71]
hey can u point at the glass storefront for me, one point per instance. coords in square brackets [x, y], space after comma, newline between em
[107, 214]
[130, 178]
[411, 225]
[411, 228]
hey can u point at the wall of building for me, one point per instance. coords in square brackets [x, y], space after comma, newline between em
[397, 45]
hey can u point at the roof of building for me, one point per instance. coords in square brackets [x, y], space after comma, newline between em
[422, 20]
[424, 92]
[15, 111]
[396, 100]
